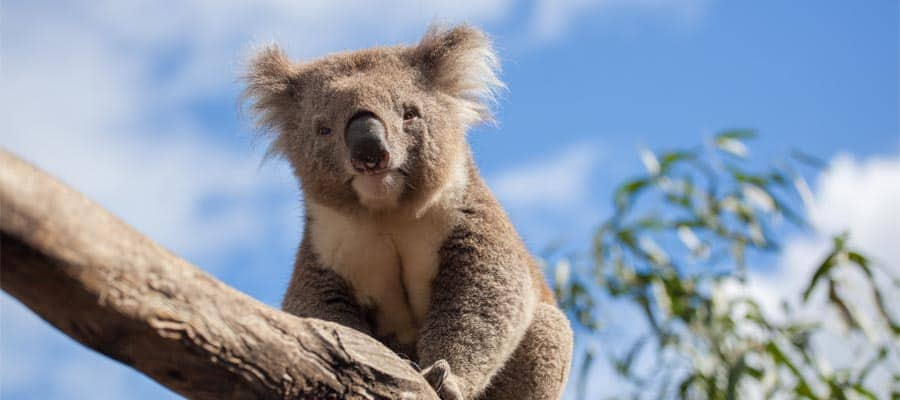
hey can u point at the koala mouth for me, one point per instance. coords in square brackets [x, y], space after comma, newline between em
[370, 167]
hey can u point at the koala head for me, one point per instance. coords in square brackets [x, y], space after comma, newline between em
[381, 128]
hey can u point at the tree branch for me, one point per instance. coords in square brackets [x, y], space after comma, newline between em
[116, 291]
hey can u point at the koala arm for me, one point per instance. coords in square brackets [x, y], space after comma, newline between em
[316, 291]
[481, 307]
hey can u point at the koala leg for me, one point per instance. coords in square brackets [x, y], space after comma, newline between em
[540, 365]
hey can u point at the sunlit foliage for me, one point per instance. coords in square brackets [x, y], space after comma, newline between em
[677, 248]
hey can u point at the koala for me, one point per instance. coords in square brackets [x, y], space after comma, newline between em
[402, 239]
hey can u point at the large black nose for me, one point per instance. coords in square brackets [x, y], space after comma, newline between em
[366, 138]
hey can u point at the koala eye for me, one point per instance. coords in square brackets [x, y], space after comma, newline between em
[410, 114]
[324, 131]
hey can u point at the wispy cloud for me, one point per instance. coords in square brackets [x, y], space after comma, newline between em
[202, 43]
[553, 18]
[552, 198]
[90, 120]
[858, 197]
[861, 197]
[560, 180]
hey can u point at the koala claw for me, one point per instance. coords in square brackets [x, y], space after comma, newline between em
[442, 380]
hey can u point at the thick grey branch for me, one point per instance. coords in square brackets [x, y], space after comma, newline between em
[119, 293]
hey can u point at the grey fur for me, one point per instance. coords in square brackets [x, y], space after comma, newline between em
[422, 257]
[315, 291]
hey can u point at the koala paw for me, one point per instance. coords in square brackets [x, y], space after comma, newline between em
[442, 380]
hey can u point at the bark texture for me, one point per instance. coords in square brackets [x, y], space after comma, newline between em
[114, 290]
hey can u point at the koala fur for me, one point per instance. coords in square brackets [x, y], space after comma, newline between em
[418, 254]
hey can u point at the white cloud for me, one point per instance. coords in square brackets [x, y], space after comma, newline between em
[852, 196]
[558, 181]
[216, 35]
[83, 122]
[552, 18]
[861, 197]
[552, 200]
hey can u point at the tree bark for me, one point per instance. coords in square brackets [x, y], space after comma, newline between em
[116, 291]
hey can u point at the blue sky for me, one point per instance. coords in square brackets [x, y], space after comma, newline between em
[135, 104]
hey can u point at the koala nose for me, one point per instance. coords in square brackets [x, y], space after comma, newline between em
[365, 137]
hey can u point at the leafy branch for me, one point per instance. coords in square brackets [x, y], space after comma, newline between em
[677, 248]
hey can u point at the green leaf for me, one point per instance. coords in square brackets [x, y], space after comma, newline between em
[864, 392]
[730, 142]
[733, 146]
[735, 373]
[780, 358]
[863, 263]
[821, 271]
[743, 177]
[756, 373]
[629, 358]
[667, 160]
[779, 178]
[651, 223]
[802, 389]
[844, 311]
[860, 260]
[626, 237]
[686, 384]
[625, 193]
[836, 390]
[737, 134]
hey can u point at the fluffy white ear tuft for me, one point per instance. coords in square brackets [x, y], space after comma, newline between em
[462, 63]
[272, 92]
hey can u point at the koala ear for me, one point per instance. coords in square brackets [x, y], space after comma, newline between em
[272, 88]
[461, 62]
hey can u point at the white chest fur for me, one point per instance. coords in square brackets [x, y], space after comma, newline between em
[390, 262]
